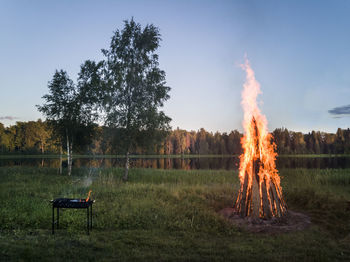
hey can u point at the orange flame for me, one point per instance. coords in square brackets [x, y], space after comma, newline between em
[88, 197]
[258, 175]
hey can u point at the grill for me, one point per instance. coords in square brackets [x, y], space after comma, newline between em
[72, 203]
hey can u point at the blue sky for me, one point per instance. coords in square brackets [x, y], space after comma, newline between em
[299, 50]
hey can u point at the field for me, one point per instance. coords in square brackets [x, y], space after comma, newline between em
[166, 215]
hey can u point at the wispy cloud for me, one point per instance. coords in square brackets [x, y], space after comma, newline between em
[341, 111]
[8, 118]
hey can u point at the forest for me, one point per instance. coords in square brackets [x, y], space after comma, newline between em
[36, 137]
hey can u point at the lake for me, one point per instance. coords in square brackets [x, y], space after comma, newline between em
[188, 163]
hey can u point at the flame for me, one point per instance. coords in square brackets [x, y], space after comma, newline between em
[88, 197]
[260, 194]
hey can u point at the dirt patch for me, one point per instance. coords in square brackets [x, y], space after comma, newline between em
[291, 221]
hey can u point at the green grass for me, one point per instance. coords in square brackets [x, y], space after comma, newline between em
[166, 215]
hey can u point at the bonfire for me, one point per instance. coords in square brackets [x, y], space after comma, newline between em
[260, 194]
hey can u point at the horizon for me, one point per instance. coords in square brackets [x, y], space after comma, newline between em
[298, 51]
[198, 130]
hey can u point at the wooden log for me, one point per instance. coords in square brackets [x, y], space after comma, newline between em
[237, 204]
[243, 207]
[249, 201]
[255, 191]
[255, 198]
[272, 200]
[276, 199]
[265, 201]
[281, 199]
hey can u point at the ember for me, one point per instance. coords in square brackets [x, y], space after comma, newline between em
[87, 199]
[260, 194]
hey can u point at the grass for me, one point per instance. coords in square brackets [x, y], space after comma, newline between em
[166, 215]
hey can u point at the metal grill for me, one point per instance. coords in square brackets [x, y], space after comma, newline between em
[72, 203]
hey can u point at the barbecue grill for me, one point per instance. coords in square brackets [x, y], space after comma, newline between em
[72, 203]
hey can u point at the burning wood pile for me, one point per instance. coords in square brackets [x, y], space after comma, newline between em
[260, 194]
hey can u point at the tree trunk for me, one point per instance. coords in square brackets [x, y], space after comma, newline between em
[42, 147]
[71, 156]
[68, 155]
[60, 168]
[126, 171]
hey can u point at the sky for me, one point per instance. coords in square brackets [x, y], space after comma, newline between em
[299, 50]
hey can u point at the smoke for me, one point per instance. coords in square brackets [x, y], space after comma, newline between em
[8, 118]
[91, 175]
[87, 181]
[341, 111]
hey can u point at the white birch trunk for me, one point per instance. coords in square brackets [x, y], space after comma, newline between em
[60, 168]
[68, 153]
[126, 171]
[71, 157]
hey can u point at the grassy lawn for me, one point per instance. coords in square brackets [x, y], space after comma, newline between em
[166, 215]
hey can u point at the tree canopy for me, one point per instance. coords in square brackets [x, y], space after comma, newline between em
[35, 137]
[135, 87]
[68, 110]
[126, 89]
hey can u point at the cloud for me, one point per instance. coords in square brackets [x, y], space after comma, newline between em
[8, 118]
[340, 111]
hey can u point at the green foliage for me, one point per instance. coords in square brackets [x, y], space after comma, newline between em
[35, 137]
[289, 142]
[135, 87]
[27, 137]
[60, 105]
[68, 110]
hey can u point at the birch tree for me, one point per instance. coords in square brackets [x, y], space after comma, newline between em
[67, 112]
[135, 87]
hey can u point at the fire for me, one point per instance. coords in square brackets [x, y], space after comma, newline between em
[260, 194]
[88, 197]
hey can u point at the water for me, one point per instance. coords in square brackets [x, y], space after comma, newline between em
[228, 163]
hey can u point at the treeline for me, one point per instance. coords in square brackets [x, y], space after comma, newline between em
[36, 137]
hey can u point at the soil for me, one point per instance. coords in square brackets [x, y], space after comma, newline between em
[291, 221]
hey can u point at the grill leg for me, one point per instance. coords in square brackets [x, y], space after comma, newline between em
[87, 220]
[53, 220]
[91, 217]
[58, 217]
